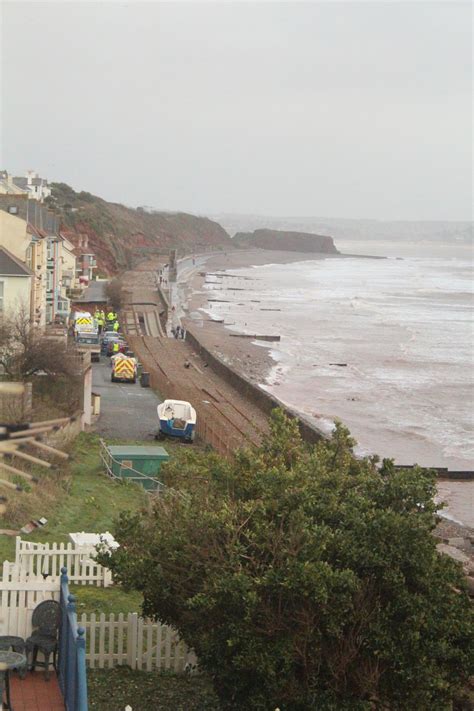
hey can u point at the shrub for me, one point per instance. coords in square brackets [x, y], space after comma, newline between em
[304, 578]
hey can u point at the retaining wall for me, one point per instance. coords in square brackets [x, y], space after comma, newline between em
[266, 402]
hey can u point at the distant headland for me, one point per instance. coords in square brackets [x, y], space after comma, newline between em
[285, 240]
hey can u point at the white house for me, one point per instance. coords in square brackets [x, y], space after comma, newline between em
[30, 184]
[15, 284]
[37, 187]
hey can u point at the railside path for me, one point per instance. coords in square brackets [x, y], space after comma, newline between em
[127, 411]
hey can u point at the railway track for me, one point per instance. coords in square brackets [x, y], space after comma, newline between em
[225, 418]
[141, 322]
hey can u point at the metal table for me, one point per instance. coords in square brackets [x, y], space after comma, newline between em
[8, 660]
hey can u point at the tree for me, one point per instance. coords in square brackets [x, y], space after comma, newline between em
[26, 351]
[113, 292]
[303, 577]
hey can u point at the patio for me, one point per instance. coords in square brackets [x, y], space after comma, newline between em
[31, 613]
[34, 693]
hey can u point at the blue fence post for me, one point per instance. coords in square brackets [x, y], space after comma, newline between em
[63, 591]
[71, 662]
[81, 670]
[72, 652]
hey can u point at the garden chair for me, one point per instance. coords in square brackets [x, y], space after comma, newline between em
[44, 638]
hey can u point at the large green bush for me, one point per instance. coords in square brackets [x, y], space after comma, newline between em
[304, 578]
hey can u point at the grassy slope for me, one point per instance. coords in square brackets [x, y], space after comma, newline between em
[85, 499]
[90, 502]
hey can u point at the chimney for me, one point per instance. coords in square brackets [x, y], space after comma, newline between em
[30, 174]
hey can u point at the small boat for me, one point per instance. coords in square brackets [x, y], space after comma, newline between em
[177, 419]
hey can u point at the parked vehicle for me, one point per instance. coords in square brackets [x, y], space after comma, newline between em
[89, 341]
[109, 338]
[124, 369]
[86, 333]
[83, 321]
[177, 419]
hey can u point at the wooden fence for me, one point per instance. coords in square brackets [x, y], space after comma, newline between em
[44, 559]
[113, 640]
[132, 640]
[20, 594]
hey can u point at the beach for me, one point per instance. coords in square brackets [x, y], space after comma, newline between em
[405, 397]
[244, 355]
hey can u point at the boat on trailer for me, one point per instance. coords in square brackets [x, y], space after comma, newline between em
[177, 419]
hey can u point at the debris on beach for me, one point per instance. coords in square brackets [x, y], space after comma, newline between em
[254, 336]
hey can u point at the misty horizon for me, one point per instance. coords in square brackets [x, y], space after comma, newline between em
[355, 110]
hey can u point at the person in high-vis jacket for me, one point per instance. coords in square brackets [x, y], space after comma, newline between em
[116, 326]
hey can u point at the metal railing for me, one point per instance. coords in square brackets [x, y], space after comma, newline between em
[72, 652]
[132, 474]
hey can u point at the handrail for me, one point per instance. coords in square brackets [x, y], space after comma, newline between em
[107, 459]
[72, 652]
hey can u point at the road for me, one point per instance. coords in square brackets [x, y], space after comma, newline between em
[126, 411]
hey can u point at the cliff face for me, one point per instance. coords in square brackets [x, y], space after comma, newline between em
[122, 236]
[286, 241]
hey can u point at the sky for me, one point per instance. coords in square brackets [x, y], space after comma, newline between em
[349, 110]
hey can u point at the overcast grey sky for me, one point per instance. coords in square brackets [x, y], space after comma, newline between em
[325, 108]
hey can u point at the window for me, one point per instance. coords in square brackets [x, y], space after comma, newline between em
[13, 210]
[1, 296]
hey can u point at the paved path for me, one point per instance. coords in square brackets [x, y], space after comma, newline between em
[34, 694]
[95, 292]
[126, 411]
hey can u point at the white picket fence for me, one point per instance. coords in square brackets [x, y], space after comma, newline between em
[132, 640]
[44, 559]
[111, 640]
[20, 594]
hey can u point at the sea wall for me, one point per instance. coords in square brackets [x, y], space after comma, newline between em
[266, 402]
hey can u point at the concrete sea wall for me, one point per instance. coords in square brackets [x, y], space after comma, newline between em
[266, 402]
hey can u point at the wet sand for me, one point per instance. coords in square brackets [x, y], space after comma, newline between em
[253, 360]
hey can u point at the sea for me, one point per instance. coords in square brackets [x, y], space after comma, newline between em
[384, 345]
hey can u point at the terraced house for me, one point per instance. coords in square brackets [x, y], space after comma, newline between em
[30, 184]
[31, 234]
[15, 283]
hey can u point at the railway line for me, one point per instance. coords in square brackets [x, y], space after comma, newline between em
[225, 419]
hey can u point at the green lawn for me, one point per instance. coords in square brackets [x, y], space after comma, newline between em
[90, 598]
[80, 497]
[112, 690]
[85, 499]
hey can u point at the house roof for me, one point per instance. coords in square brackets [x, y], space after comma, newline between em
[20, 182]
[11, 266]
[23, 182]
[35, 231]
[9, 189]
